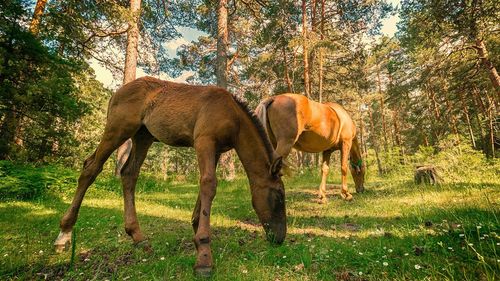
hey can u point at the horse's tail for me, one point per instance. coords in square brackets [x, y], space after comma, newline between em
[261, 112]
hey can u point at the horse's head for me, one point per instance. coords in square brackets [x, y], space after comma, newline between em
[358, 174]
[268, 200]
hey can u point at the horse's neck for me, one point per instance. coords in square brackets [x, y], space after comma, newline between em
[355, 150]
[252, 152]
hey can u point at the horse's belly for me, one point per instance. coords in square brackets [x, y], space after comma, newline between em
[311, 142]
[171, 132]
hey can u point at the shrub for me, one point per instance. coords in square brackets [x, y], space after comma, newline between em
[22, 181]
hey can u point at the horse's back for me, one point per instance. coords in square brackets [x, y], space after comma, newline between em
[175, 113]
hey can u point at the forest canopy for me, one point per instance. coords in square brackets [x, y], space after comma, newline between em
[435, 77]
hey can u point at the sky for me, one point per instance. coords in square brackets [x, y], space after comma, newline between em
[189, 34]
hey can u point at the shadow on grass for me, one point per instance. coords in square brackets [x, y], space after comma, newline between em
[101, 239]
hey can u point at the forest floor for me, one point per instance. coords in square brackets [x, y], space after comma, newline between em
[394, 231]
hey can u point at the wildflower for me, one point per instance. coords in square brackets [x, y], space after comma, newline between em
[390, 250]
[478, 227]
[450, 248]
[299, 267]
[385, 263]
[406, 254]
[360, 253]
[417, 267]
[360, 273]
[244, 271]
[461, 235]
[41, 252]
[284, 257]
[144, 260]
[5, 255]
[162, 258]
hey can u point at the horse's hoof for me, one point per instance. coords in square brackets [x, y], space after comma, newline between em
[323, 200]
[61, 248]
[144, 245]
[347, 197]
[63, 242]
[203, 271]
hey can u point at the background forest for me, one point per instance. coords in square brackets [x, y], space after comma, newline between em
[436, 77]
[429, 95]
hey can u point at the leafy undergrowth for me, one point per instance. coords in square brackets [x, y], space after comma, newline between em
[394, 231]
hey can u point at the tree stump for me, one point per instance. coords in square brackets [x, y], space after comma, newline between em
[426, 175]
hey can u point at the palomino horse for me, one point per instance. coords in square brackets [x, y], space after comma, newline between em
[295, 121]
[207, 118]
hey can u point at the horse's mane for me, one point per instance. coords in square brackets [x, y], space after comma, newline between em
[260, 128]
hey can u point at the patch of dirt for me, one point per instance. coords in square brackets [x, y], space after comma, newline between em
[418, 250]
[346, 226]
[348, 276]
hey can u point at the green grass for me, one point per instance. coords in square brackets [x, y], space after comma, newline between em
[394, 231]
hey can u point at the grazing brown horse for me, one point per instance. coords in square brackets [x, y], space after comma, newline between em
[293, 120]
[207, 118]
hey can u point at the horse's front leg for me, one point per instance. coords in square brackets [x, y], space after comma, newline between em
[344, 155]
[206, 154]
[325, 168]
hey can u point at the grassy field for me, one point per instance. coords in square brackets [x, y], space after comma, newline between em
[394, 231]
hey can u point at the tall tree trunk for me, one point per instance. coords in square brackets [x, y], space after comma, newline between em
[488, 65]
[37, 16]
[478, 103]
[305, 50]
[491, 116]
[129, 73]
[285, 69]
[382, 108]
[226, 159]
[467, 118]
[222, 44]
[374, 141]
[397, 136]
[322, 36]
[452, 117]
[312, 57]
[361, 132]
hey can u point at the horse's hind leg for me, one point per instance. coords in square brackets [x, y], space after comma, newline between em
[91, 168]
[325, 168]
[129, 174]
[344, 154]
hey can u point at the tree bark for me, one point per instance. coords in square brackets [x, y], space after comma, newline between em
[488, 65]
[467, 118]
[226, 159]
[382, 108]
[322, 36]
[129, 73]
[222, 44]
[37, 16]
[491, 127]
[375, 144]
[285, 69]
[305, 50]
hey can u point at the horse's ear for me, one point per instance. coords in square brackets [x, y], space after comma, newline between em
[276, 166]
